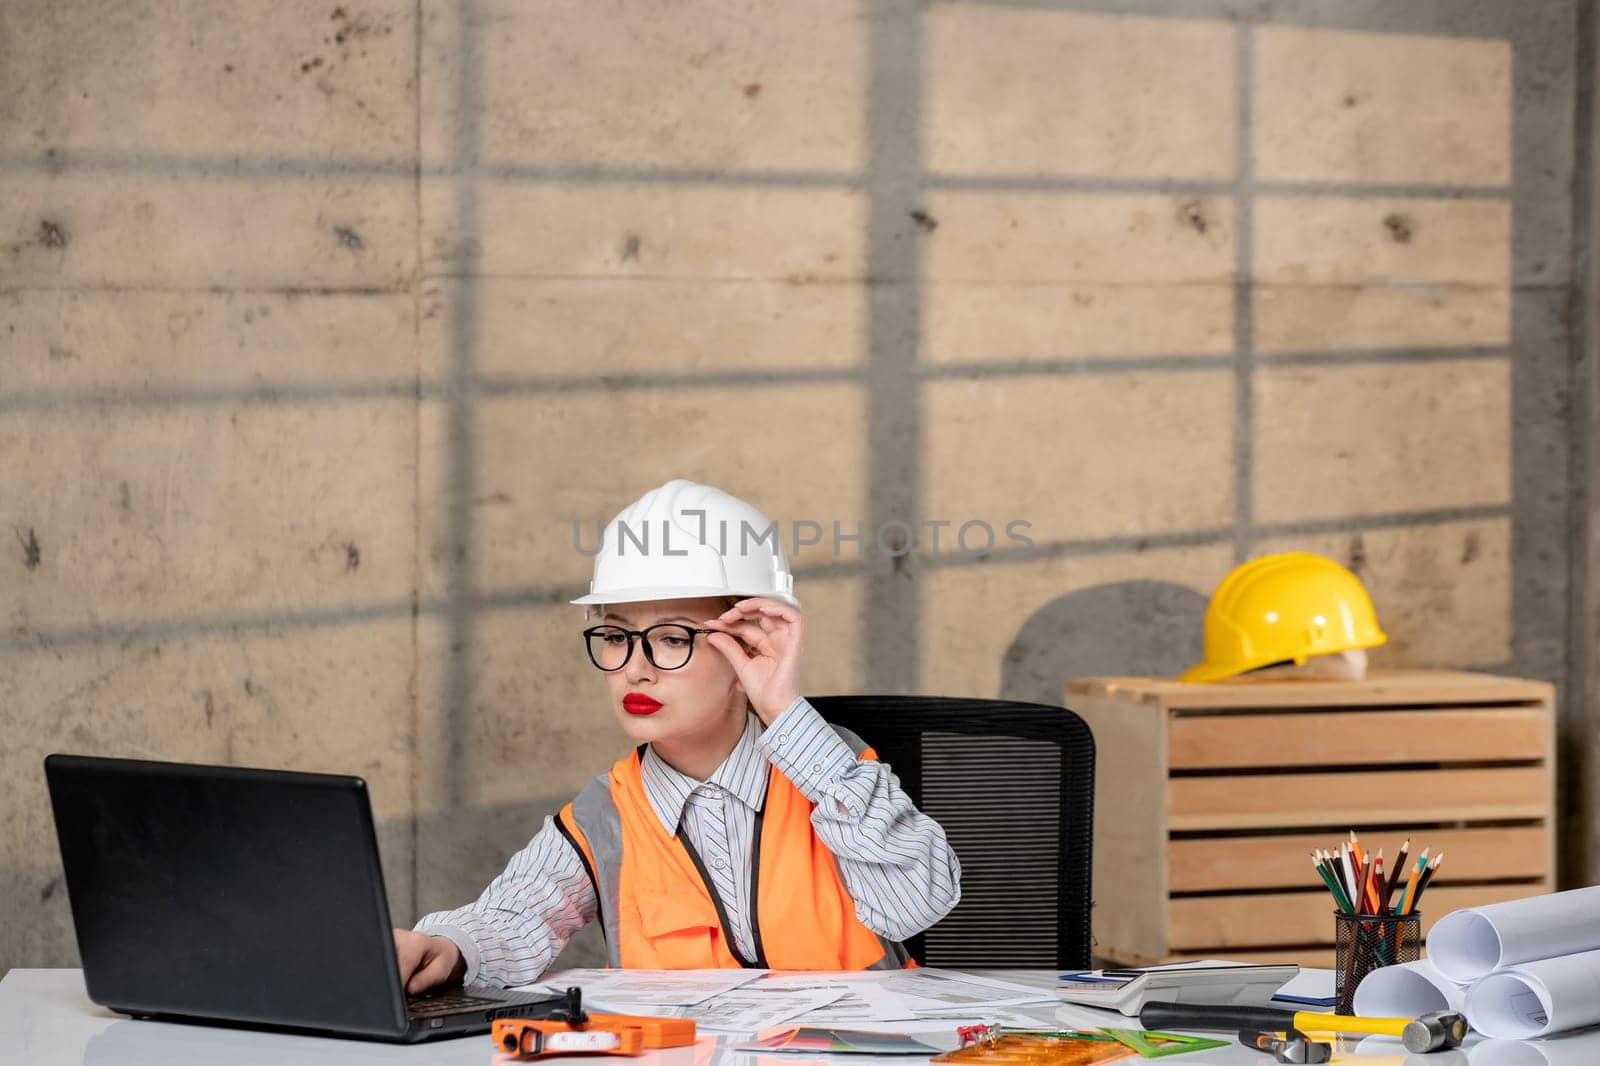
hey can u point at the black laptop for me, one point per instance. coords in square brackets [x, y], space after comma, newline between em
[247, 897]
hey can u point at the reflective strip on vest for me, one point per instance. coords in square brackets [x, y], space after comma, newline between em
[594, 824]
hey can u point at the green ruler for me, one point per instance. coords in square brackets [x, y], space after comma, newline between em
[1173, 1043]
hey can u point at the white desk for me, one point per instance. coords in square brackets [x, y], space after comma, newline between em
[47, 1020]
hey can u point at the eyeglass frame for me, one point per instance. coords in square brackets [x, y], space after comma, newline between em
[643, 639]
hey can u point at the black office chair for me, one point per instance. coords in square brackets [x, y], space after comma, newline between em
[1013, 785]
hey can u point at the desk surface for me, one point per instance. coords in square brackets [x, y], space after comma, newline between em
[46, 1019]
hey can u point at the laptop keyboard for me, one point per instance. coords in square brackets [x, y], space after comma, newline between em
[446, 1003]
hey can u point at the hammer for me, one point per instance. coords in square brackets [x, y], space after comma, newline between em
[1428, 1032]
[1292, 1047]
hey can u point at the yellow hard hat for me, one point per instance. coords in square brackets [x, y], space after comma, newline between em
[1284, 608]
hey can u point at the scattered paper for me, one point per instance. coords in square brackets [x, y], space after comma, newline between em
[640, 991]
[1042, 1017]
[746, 1001]
[819, 1040]
[926, 989]
[859, 1004]
[752, 1008]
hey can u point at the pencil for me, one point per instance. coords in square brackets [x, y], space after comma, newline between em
[1427, 879]
[1332, 888]
[1375, 884]
[1338, 882]
[1331, 861]
[1362, 869]
[1394, 874]
[1325, 861]
[1411, 882]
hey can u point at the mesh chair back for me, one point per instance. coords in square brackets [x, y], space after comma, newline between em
[1013, 786]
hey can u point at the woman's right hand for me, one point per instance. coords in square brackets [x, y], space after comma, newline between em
[427, 961]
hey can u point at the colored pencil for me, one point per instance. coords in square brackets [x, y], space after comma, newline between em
[1394, 874]
[1411, 882]
[1360, 885]
[1327, 880]
[1338, 882]
[1363, 870]
[1426, 879]
[1322, 862]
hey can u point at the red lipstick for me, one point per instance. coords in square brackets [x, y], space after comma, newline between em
[639, 703]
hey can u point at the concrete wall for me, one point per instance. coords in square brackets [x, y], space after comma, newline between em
[322, 324]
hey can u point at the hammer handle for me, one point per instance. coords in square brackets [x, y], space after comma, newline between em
[1344, 1023]
[1158, 1015]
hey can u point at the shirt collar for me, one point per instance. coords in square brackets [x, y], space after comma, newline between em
[743, 773]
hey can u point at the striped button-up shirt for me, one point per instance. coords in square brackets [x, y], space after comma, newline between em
[893, 859]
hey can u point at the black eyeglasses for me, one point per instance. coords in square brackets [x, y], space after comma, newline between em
[667, 645]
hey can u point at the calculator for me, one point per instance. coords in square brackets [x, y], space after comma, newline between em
[1128, 990]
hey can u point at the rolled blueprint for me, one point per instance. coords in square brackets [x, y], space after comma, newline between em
[1407, 990]
[1467, 944]
[1537, 998]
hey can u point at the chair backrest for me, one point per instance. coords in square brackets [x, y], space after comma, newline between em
[1013, 786]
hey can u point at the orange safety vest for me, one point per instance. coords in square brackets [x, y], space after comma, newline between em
[656, 903]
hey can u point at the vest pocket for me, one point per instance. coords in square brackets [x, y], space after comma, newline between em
[681, 925]
[665, 909]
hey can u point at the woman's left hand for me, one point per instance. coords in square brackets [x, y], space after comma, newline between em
[768, 661]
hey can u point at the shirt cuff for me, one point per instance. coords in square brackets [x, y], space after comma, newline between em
[463, 941]
[804, 747]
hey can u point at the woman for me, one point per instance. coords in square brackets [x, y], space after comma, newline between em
[743, 830]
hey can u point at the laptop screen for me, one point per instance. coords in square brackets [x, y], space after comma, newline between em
[227, 893]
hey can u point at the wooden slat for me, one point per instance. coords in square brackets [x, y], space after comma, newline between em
[1209, 865]
[1208, 923]
[1357, 738]
[1380, 687]
[1346, 799]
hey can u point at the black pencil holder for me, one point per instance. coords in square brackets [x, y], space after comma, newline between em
[1365, 942]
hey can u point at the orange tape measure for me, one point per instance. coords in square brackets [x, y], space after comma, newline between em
[532, 1036]
[572, 1031]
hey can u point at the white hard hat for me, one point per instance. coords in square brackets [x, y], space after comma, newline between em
[684, 541]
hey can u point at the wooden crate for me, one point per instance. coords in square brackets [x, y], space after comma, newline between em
[1209, 799]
